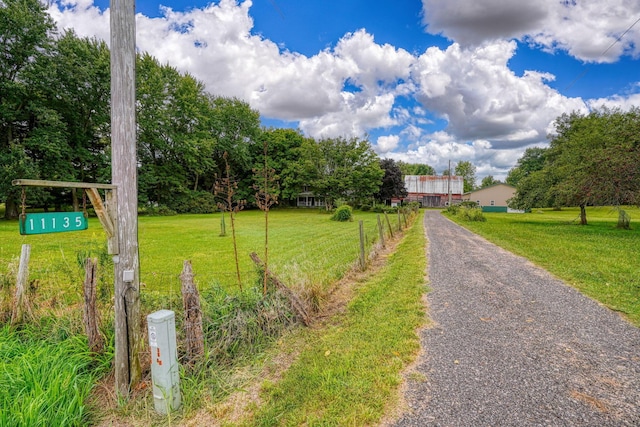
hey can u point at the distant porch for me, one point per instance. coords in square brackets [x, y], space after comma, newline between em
[309, 200]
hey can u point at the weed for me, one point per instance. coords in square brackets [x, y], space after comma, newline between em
[239, 325]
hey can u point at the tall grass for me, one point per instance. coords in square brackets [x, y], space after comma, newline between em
[598, 259]
[46, 381]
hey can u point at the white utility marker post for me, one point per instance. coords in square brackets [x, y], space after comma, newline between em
[128, 340]
[165, 374]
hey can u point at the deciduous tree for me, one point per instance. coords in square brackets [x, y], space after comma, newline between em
[392, 182]
[488, 181]
[593, 159]
[344, 169]
[532, 160]
[25, 36]
[467, 171]
[415, 168]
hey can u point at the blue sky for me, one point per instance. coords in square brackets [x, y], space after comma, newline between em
[426, 81]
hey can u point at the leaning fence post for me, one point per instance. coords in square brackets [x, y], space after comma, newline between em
[399, 221]
[21, 301]
[381, 231]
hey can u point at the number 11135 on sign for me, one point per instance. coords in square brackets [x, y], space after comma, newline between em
[52, 222]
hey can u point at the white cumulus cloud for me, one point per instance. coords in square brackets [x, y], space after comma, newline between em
[587, 30]
[387, 143]
[481, 98]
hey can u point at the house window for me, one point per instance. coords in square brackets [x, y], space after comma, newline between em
[493, 203]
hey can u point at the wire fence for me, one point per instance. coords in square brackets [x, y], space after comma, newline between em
[301, 263]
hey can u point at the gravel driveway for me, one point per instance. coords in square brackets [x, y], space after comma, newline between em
[511, 345]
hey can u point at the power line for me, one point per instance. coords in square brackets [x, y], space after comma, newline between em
[275, 6]
[603, 53]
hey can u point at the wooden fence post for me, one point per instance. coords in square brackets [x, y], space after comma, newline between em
[399, 221]
[90, 313]
[386, 217]
[192, 314]
[381, 231]
[21, 304]
[363, 261]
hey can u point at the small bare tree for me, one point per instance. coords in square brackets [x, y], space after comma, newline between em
[266, 196]
[225, 190]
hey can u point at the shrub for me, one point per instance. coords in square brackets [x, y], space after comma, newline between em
[156, 210]
[624, 220]
[342, 214]
[452, 209]
[414, 206]
[377, 208]
[471, 214]
[196, 202]
[466, 213]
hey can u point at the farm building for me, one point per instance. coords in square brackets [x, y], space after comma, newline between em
[433, 191]
[493, 198]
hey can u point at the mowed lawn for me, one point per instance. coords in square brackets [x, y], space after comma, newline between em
[600, 260]
[305, 247]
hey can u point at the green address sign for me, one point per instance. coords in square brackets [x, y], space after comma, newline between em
[53, 222]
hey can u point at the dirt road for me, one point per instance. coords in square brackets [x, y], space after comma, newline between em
[513, 346]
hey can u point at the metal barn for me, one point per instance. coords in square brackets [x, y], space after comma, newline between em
[433, 191]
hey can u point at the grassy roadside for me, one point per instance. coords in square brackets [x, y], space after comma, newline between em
[598, 259]
[349, 372]
[46, 377]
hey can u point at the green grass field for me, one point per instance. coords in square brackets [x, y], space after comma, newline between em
[599, 259]
[305, 247]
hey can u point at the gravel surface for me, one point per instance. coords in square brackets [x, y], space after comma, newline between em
[511, 345]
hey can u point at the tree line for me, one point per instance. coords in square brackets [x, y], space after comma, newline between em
[55, 125]
[592, 160]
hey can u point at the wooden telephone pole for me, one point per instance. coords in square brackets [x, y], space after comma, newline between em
[128, 340]
[449, 183]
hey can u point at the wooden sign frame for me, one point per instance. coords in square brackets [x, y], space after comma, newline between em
[106, 211]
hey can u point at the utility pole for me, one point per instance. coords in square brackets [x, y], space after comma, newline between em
[449, 183]
[124, 177]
